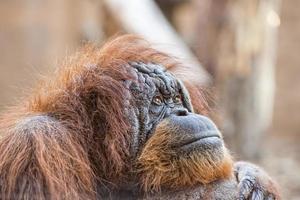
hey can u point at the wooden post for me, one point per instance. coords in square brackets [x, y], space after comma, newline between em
[239, 38]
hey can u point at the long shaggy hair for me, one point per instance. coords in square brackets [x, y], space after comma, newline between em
[71, 133]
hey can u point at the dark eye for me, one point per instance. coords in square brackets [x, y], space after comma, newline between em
[177, 99]
[157, 100]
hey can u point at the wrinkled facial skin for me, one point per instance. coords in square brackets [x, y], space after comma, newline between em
[159, 96]
[172, 146]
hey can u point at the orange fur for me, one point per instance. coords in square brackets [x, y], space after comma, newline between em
[72, 134]
[159, 165]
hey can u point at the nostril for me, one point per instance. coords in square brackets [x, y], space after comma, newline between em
[183, 112]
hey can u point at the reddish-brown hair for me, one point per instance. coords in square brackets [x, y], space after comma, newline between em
[72, 133]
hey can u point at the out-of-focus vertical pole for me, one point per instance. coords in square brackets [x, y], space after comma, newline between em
[240, 39]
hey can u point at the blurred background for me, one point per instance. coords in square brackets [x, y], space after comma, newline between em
[246, 50]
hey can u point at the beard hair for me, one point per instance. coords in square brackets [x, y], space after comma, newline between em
[159, 165]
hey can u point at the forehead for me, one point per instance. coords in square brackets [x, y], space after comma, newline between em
[155, 76]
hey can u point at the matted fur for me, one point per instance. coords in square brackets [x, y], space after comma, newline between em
[72, 134]
[160, 166]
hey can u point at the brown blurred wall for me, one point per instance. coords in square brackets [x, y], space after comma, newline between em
[287, 102]
[35, 35]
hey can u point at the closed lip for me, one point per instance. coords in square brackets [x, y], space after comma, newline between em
[197, 138]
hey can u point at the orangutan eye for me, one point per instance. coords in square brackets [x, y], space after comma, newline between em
[157, 100]
[177, 99]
